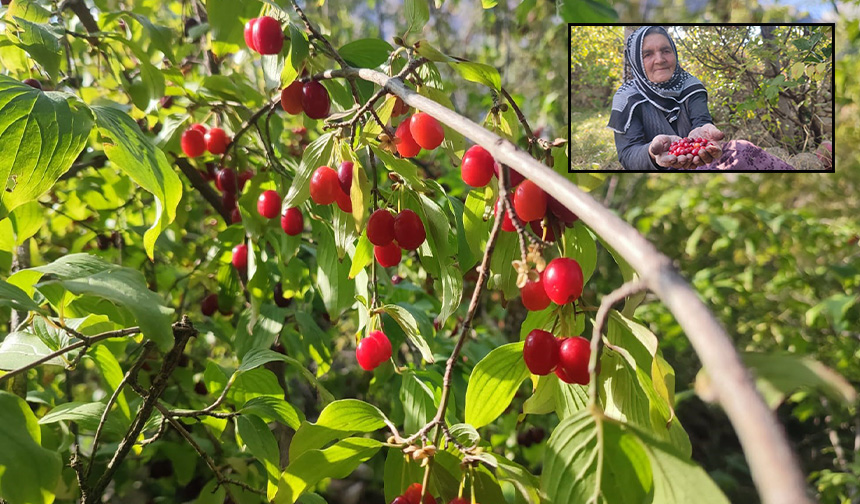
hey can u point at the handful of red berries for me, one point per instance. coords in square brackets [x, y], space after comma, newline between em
[688, 146]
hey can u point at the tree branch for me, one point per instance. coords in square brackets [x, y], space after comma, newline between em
[774, 466]
[182, 332]
[203, 187]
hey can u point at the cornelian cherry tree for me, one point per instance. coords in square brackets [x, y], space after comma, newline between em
[252, 262]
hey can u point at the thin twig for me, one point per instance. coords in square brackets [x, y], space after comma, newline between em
[248, 124]
[222, 480]
[74, 346]
[97, 438]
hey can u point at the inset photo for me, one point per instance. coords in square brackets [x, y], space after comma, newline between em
[718, 97]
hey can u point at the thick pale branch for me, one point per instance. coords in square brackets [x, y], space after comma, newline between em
[775, 469]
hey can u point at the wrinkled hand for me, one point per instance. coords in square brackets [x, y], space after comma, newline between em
[707, 131]
[659, 150]
[712, 152]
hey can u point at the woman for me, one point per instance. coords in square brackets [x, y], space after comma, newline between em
[663, 103]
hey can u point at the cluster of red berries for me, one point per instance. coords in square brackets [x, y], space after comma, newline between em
[264, 35]
[530, 201]
[688, 146]
[209, 306]
[373, 350]
[420, 131]
[310, 97]
[196, 140]
[329, 186]
[560, 282]
[390, 234]
[269, 206]
[568, 357]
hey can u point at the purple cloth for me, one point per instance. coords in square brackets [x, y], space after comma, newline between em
[743, 155]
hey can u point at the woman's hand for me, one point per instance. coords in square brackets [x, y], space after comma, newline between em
[710, 153]
[659, 150]
[708, 132]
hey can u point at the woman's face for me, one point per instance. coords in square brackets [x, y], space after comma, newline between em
[658, 58]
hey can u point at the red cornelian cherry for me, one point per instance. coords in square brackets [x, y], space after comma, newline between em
[267, 35]
[33, 83]
[540, 352]
[406, 145]
[561, 211]
[315, 100]
[477, 166]
[413, 495]
[216, 141]
[291, 98]
[193, 143]
[228, 202]
[225, 181]
[343, 201]
[538, 227]
[199, 127]
[573, 356]
[235, 216]
[384, 346]
[562, 280]
[240, 257]
[209, 305]
[400, 500]
[292, 221]
[380, 227]
[409, 230]
[249, 33]
[268, 204]
[426, 131]
[387, 255]
[367, 352]
[244, 177]
[530, 201]
[344, 175]
[507, 223]
[324, 186]
[534, 295]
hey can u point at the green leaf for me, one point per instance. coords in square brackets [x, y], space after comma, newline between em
[112, 374]
[581, 246]
[129, 150]
[226, 30]
[261, 443]
[366, 53]
[42, 42]
[677, 480]
[593, 459]
[317, 154]
[19, 349]
[570, 398]
[29, 10]
[41, 135]
[274, 409]
[161, 37]
[334, 287]
[26, 221]
[417, 14]
[779, 375]
[13, 296]
[493, 383]
[410, 327]
[338, 461]
[478, 72]
[542, 400]
[338, 420]
[586, 11]
[257, 357]
[28, 472]
[362, 257]
[87, 274]
[402, 167]
[419, 401]
[299, 46]
[476, 229]
[523, 480]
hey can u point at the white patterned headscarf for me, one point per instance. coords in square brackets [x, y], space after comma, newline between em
[667, 96]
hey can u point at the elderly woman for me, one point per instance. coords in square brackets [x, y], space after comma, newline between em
[662, 104]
